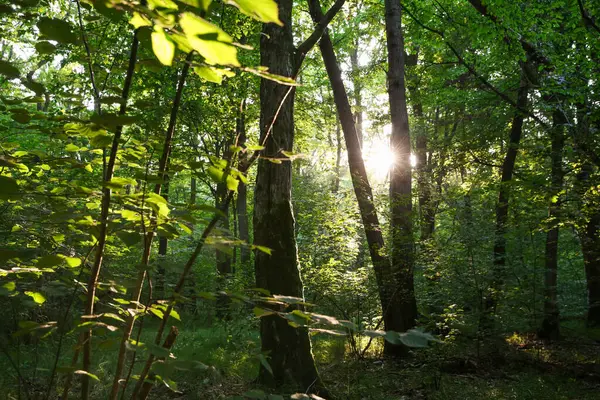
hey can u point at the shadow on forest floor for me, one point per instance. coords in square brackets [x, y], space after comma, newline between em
[521, 367]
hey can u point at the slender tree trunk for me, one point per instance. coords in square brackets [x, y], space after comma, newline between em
[242, 195]
[289, 349]
[390, 303]
[193, 190]
[589, 231]
[508, 166]
[402, 246]
[551, 324]
[590, 244]
[223, 260]
[163, 242]
[103, 224]
[338, 155]
[358, 114]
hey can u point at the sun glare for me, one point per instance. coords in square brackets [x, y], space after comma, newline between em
[378, 156]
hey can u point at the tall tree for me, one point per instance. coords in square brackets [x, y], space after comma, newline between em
[551, 323]
[390, 302]
[289, 348]
[402, 241]
[502, 205]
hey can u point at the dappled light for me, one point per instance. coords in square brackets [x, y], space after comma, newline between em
[299, 199]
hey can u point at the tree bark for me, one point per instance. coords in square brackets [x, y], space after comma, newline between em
[288, 348]
[163, 243]
[550, 328]
[502, 207]
[358, 113]
[223, 260]
[402, 241]
[242, 195]
[589, 231]
[338, 155]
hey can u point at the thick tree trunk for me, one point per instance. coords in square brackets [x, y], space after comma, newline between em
[390, 303]
[288, 348]
[402, 246]
[508, 166]
[551, 324]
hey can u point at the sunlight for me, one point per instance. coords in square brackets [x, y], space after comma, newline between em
[378, 156]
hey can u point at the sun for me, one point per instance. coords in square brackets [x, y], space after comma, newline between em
[379, 157]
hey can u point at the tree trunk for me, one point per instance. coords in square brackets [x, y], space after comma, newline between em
[161, 279]
[391, 304]
[402, 246]
[589, 232]
[288, 348]
[508, 167]
[551, 324]
[358, 114]
[338, 155]
[242, 195]
[193, 190]
[223, 260]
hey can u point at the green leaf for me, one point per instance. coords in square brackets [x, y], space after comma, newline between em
[261, 10]
[82, 372]
[129, 238]
[265, 363]
[50, 261]
[256, 394]
[139, 20]
[163, 48]
[36, 87]
[209, 40]
[261, 312]
[56, 29]
[262, 248]
[9, 286]
[72, 262]
[45, 47]
[212, 74]
[37, 297]
[9, 70]
[130, 215]
[263, 73]
[22, 118]
[8, 187]
[71, 147]
[417, 338]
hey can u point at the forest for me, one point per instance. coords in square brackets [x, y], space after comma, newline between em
[299, 199]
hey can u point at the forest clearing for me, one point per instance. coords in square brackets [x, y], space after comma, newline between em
[299, 199]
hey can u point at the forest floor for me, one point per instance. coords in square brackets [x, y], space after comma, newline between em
[519, 367]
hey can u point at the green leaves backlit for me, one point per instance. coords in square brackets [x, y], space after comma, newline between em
[261, 10]
[210, 41]
[163, 48]
[189, 31]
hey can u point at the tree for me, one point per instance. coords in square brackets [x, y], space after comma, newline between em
[402, 240]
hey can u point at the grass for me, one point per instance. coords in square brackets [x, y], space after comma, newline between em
[520, 368]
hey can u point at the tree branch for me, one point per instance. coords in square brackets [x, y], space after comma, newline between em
[310, 42]
[472, 70]
[587, 18]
